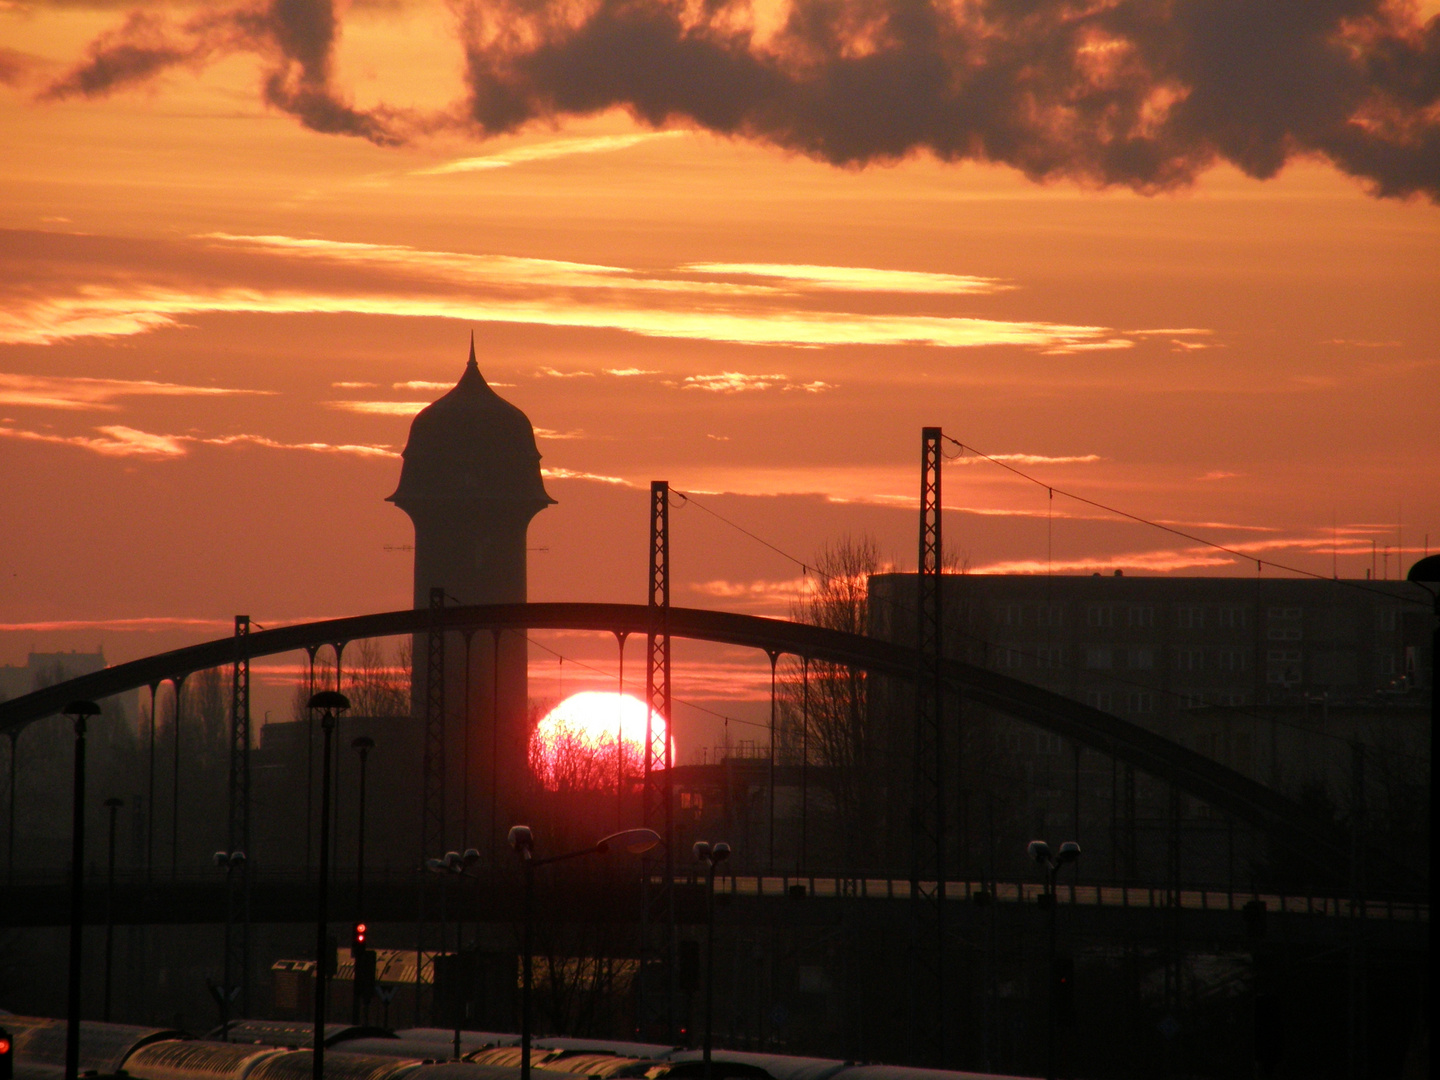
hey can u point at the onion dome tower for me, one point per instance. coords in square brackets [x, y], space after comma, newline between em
[471, 483]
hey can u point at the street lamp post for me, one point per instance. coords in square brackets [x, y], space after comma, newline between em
[229, 861]
[80, 712]
[364, 744]
[522, 840]
[1040, 851]
[452, 863]
[1426, 573]
[112, 804]
[332, 701]
[712, 855]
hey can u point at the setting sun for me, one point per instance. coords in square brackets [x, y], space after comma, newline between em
[574, 745]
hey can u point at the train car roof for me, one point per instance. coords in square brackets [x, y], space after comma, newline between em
[906, 1072]
[103, 1047]
[176, 1059]
[296, 1065]
[476, 1040]
[296, 1034]
[607, 1046]
[776, 1066]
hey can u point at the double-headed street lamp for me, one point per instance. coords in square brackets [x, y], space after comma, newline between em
[112, 804]
[453, 864]
[332, 701]
[229, 861]
[712, 855]
[80, 712]
[522, 840]
[1040, 851]
[363, 744]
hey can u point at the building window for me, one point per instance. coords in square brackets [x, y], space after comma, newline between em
[1283, 633]
[1387, 663]
[1192, 699]
[1141, 701]
[1230, 659]
[1189, 659]
[1190, 617]
[1140, 615]
[1100, 615]
[1009, 614]
[1232, 698]
[1101, 699]
[1047, 743]
[1050, 615]
[1230, 617]
[1008, 658]
[1142, 659]
[1049, 656]
[1284, 612]
[1387, 618]
[1100, 656]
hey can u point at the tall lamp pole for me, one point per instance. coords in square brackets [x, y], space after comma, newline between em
[522, 840]
[332, 701]
[364, 744]
[452, 863]
[112, 804]
[80, 712]
[1426, 573]
[713, 855]
[1040, 851]
[229, 861]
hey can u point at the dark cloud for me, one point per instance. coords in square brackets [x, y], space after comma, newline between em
[16, 67]
[1134, 92]
[296, 37]
[1141, 93]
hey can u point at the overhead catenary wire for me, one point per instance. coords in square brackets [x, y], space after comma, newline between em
[1172, 530]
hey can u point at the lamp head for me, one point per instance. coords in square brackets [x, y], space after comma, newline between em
[1039, 851]
[221, 858]
[1068, 853]
[452, 862]
[630, 841]
[435, 865]
[702, 850]
[329, 700]
[362, 743]
[80, 710]
[521, 839]
[237, 858]
[1427, 569]
[720, 852]
[471, 857]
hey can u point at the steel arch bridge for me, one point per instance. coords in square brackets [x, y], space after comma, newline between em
[1205, 779]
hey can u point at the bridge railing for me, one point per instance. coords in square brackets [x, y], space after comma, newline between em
[839, 886]
[1122, 896]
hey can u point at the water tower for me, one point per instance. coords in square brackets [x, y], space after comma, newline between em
[471, 483]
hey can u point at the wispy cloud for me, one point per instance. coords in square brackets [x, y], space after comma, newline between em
[551, 373]
[546, 433]
[547, 151]
[378, 408]
[354, 385]
[278, 275]
[574, 474]
[421, 384]
[119, 441]
[736, 382]
[856, 278]
[629, 372]
[78, 392]
[154, 623]
[1028, 459]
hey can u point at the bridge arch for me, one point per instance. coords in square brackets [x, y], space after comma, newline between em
[1216, 784]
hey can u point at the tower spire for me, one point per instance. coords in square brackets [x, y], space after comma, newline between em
[471, 365]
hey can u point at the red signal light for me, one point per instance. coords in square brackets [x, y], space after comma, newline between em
[4, 1046]
[359, 933]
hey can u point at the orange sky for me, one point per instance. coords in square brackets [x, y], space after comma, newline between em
[215, 320]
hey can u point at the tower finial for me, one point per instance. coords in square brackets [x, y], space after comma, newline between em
[472, 365]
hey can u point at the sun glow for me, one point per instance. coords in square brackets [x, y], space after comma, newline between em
[592, 740]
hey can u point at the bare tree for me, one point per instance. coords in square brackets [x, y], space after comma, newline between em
[824, 708]
[376, 684]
